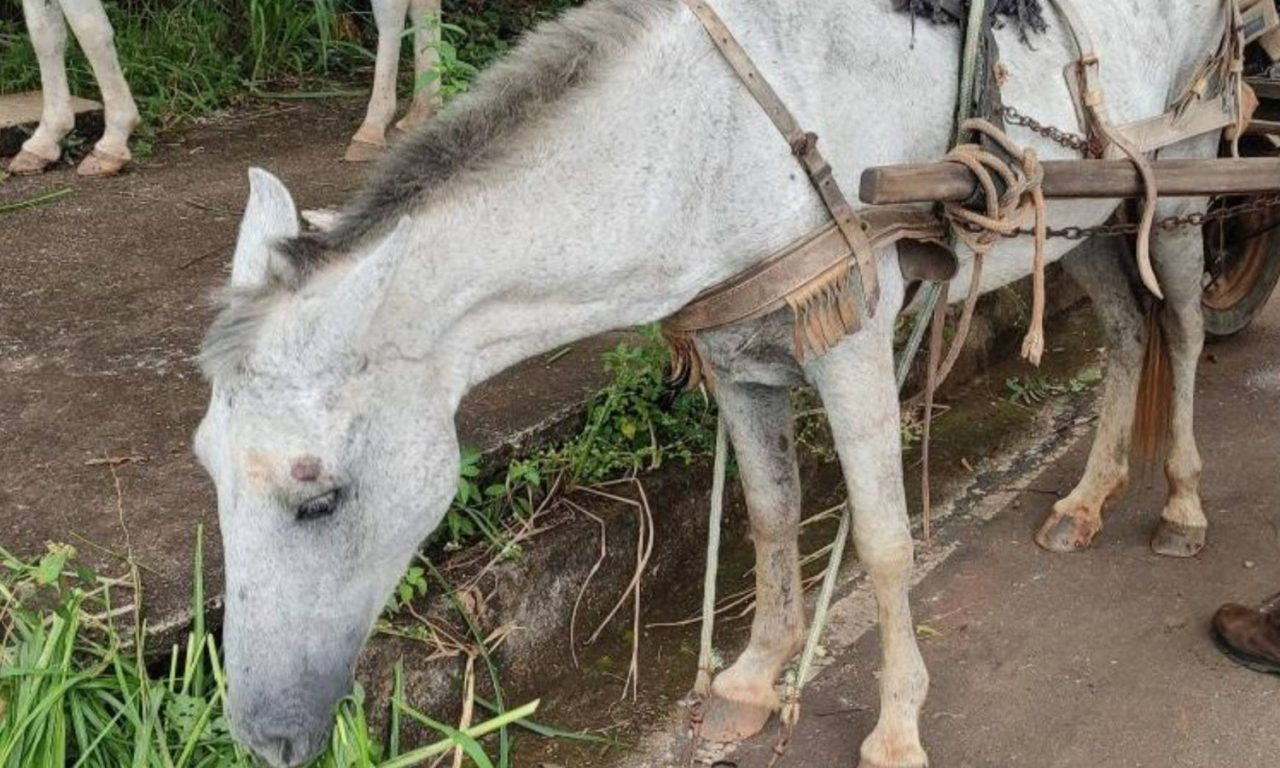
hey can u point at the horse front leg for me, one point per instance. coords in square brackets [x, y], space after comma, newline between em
[1077, 518]
[759, 422]
[425, 17]
[48, 34]
[856, 383]
[92, 28]
[1179, 263]
[370, 140]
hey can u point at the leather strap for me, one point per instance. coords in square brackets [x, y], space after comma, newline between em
[764, 288]
[804, 145]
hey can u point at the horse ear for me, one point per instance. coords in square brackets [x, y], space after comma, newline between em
[269, 216]
[365, 289]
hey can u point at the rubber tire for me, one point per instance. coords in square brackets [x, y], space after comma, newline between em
[1224, 322]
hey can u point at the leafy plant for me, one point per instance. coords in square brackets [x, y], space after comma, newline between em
[1032, 390]
[74, 693]
[628, 428]
[187, 58]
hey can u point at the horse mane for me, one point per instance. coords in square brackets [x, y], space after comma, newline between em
[1026, 15]
[553, 60]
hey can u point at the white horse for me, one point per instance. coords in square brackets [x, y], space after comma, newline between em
[371, 139]
[48, 30]
[611, 169]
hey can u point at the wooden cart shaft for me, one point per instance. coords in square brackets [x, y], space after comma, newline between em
[1074, 179]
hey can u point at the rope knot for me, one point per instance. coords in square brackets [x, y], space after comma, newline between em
[1021, 175]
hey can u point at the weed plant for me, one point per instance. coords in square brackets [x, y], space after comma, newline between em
[76, 691]
[629, 428]
[186, 58]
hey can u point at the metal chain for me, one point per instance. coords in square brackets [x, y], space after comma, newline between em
[1256, 204]
[1066, 139]
[1084, 146]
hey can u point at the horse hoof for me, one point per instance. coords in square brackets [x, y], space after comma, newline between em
[363, 151]
[412, 123]
[1067, 533]
[1178, 540]
[321, 219]
[99, 165]
[29, 164]
[905, 756]
[728, 721]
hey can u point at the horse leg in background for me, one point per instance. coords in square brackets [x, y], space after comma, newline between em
[856, 383]
[89, 22]
[371, 139]
[425, 17]
[760, 423]
[1179, 264]
[49, 38]
[1077, 519]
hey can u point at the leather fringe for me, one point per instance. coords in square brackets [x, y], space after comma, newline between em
[687, 367]
[824, 311]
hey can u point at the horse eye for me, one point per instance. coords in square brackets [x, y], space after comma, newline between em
[317, 507]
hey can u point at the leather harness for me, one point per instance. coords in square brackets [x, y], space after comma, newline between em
[812, 276]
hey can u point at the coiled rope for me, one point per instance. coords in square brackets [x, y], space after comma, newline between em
[1021, 177]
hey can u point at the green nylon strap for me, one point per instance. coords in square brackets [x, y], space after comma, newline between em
[973, 54]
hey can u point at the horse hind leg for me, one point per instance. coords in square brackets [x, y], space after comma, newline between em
[1180, 266]
[856, 383]
[759, 422]
[89, 22]
[370, 140]
[48, 33]
[1077, 518]
[425, 16]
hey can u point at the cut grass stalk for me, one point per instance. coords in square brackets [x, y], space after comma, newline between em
[499, 723]
[74, 695]
[35, 202]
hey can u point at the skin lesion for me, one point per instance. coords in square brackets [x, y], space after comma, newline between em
[259, 470]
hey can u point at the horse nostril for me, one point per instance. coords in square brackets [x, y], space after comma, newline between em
[286, 752]
[281, 751]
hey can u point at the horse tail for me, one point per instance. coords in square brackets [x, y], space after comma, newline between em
[1155, 392]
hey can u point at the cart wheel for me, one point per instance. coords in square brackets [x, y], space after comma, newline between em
[1242, 266]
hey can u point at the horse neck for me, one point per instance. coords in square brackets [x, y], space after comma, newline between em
[614, 212]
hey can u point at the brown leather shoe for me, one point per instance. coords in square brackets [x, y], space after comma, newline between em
[1249, 637]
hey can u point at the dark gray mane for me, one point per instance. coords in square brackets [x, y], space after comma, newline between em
[554, 59]
[1026, 15]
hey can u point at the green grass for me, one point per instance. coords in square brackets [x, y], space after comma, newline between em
[628, 430]
[187, 58]
[75, 691]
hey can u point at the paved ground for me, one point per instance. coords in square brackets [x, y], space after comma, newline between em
[1099, 659]
[104, 297]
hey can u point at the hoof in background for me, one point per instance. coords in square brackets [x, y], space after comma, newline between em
[321, 219]
[363, 152]
[99, 164]
[28, 164]
[1177, 540]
